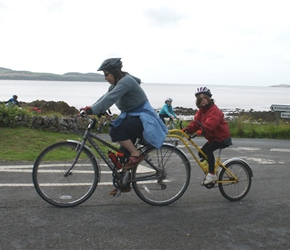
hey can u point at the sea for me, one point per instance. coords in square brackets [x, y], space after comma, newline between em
[81, 94]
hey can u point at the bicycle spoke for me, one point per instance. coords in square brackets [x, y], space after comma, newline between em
[169, 182]
[60, 184]
[235, 185]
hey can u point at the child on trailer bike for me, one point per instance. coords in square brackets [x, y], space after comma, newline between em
[138, 119]
[209, 121]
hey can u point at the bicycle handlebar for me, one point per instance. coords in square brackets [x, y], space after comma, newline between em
[83, 113]
[180, 124]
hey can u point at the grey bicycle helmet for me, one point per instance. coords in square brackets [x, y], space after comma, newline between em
[111, 63]
[203, 90]
[168, 99]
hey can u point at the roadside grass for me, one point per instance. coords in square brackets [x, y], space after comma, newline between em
[242, 129]
[25, 144]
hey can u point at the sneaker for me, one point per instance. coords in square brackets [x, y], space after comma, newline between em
[210, 178]
[133, 161]
[124, 190]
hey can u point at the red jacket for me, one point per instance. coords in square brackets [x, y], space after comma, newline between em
[214, 124]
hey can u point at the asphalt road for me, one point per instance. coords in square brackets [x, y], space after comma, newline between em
[201, 219]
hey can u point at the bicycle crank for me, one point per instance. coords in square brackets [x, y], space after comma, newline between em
[209, 185]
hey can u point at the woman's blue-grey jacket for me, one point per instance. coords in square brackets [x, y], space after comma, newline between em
[154, 129]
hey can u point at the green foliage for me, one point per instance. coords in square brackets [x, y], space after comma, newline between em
[246, 127]
[242, 127]
[10, 115]
[237, 127]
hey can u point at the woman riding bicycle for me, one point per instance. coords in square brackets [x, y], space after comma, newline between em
[138, 119]
[167, 110]
[209, 121]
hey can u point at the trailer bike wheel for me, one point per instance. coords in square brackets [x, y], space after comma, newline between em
[230, 188]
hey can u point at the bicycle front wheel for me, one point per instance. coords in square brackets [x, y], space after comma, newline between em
[56, 183]
[230, 188]
[163, 176]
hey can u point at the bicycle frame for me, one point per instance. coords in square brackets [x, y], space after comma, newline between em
[172, 123]
[89, 136]
[189, 143]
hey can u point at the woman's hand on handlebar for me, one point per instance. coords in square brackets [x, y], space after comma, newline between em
[88, 110]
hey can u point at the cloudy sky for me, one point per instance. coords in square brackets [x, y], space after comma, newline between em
[229, 42]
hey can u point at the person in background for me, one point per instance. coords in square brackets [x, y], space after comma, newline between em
[209, 121]
[167, 110]
[138, 119]
[12, 101]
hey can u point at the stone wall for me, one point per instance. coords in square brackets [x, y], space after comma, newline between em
[54, 123]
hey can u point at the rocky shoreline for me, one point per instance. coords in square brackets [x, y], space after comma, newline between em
[66, 110]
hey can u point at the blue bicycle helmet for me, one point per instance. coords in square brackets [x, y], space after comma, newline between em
[111, 63]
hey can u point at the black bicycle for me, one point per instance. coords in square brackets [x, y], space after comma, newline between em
[67, 173]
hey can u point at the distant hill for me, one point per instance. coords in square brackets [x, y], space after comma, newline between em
[281, 85]
[8, 74]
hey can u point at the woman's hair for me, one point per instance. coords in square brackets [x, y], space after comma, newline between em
[198, 100]
[118, 74]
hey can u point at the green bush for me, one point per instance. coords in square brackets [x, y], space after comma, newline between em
[10, 115]
[246, 129]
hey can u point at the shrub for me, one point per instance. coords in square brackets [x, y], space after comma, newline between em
[10, 115]
[248, 129]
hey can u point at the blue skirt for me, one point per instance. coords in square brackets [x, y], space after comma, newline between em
[131, 128]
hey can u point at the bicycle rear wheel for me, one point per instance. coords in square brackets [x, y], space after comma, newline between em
[54, 185]
[166, 185]
[231, 189]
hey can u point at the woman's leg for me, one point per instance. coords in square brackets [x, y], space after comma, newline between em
[128, 144]
[126, 135]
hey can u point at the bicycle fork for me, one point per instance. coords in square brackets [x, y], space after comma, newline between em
[78, 148]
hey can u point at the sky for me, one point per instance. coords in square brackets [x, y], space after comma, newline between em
[203, 42]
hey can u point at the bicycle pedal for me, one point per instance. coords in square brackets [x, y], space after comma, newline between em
[209, 185]
[118, 193]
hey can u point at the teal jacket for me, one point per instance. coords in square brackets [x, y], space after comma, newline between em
[154, 129]
[167, 110]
